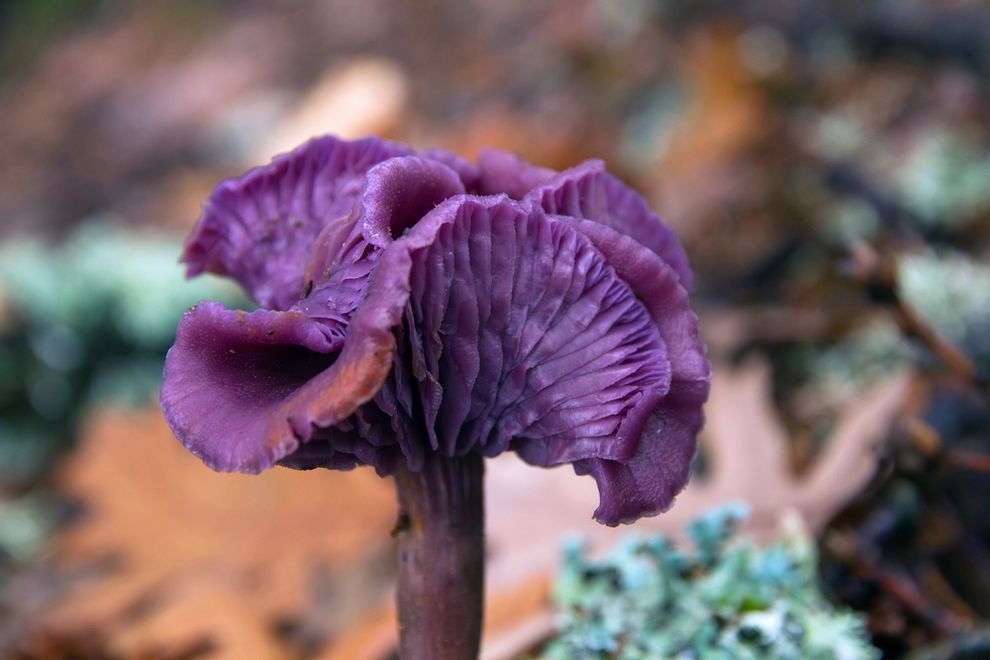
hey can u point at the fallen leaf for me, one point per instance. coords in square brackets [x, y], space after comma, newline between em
[361, 97]
[699, 173]
[201, 555]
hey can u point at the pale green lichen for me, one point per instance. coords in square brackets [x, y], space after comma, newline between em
[945, 180]
[839, 135]
[832, 377]
[848, 220]
[729, 599]
[867, 354]
[951, 293]
[87, 320]
[104, 273]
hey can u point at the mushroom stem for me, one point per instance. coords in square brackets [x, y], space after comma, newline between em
[441, 558]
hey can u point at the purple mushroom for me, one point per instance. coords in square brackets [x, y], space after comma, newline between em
[418, 313]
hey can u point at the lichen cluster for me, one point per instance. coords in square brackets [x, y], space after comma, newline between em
[951, 291]
[728, 599]
[85, 321]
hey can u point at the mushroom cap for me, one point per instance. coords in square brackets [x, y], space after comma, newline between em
[416, 304]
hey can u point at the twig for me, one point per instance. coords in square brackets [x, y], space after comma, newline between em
[879, 275]
[928, 441]
[935, 582]
[969, 460]
[897, 585]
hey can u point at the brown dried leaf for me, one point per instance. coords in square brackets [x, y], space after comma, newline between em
[700, 174]
[201, 555]
[363, 96]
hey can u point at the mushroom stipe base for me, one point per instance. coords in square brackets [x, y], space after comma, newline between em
[441, 558]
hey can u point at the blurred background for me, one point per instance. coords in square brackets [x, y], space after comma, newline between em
[827, 166]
